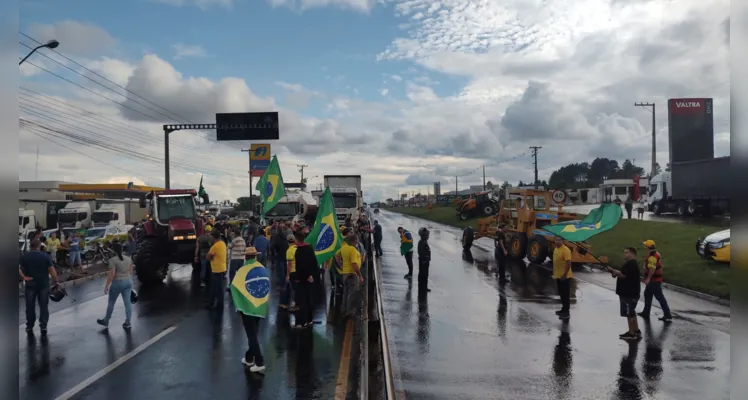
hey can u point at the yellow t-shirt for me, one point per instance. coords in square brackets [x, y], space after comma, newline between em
[350, 256]
[53, 245]
[291, 258]
[560, 256]
[218, 250]
[267, 232]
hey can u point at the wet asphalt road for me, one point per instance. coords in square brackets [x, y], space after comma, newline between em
[473, 339]
[187, 353]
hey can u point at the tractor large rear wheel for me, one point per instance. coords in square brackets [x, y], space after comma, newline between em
[537, 249]
[517, 245]
[150, 264]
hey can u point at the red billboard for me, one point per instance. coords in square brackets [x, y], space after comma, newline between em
[691, 129]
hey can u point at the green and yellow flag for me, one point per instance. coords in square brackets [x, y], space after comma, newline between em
[271, 186]
[597, 221]
[250, 289]
[325, 237]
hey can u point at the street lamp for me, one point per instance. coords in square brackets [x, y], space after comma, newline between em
[52, 44]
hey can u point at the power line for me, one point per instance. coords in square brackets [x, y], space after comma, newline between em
[105, 78]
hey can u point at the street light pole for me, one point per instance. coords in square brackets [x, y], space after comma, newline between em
[654, 133]
[52, 44]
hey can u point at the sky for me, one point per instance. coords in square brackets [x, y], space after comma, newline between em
[402, 92]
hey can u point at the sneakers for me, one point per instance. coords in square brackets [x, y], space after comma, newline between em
[641, 314]
[629, 336]
[103, 322]
[564, 315]
[248, 364]
[666, 319]
[408, 276]
[559, 312]
[126, 325]
[258, 369]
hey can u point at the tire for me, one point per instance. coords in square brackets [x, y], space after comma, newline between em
[517, 245]
[691, 208]
[537, 249]
[682, 209]
[464, 216]
[150, 265]
[488, 210]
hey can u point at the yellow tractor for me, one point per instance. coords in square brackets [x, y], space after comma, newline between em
[522, 217]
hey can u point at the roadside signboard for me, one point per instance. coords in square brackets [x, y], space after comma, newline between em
[247, 126]
[558, 196]
[690, 129]
[259, 158]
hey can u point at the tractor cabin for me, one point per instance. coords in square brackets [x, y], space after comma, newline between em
[523, 216]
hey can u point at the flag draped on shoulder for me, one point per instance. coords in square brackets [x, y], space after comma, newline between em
[406, 242]
[597, 221]
[250, 289]
[271, 186]
[325, 237]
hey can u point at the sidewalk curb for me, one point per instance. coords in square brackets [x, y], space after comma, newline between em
[67, 284]
[689, 292]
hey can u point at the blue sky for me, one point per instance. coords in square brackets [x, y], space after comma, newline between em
[329, 48]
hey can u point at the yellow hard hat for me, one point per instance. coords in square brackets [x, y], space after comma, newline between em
[649, 243]
[208, 228]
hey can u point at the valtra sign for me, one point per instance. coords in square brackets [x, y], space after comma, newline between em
[687, 106]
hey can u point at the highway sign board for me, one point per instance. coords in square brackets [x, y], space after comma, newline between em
[559, 196]
[247, 126]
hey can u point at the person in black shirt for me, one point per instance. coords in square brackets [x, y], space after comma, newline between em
[424, 259]
[377, 239]
[628, 289]
[35, 268]
[306, 270]
[500, 254]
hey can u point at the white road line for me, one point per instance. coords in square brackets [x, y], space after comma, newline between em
[111, 367]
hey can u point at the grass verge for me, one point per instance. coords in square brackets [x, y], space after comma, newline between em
[676, 243]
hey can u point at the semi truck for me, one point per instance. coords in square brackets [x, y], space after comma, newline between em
[118, 212]
[77, 214]
[297, 204]
[43, 214]
[700, 187]
[346, 194]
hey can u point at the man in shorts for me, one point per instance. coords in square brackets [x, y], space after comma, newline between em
[628, 289]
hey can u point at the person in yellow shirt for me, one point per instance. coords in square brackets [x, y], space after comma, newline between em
[289, 288]
[350, 272]
[562, 275]
[217, 256]
[53, 243]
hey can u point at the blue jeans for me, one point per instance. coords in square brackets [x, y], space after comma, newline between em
[217, 289]
[205, 270]
[280, 268]
[74, 258]
[131, 247]
[37, 292]
[654, 289]
[288, 293]
[120, 287]
[233, 267]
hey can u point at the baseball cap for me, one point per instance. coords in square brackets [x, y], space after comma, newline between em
[649, 243]
[290, 237]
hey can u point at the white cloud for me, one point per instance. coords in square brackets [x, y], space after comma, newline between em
[202, 4]
[563, 77]
[302, 5]
[384, 92]
[75, 37]
[188, 51]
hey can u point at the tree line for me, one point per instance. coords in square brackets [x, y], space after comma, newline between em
[586, 174]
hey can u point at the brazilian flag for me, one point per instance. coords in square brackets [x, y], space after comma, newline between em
[325, 237]
[597, 221]
[250, 289]
[202, 193]
[406, 242]
[271, 186]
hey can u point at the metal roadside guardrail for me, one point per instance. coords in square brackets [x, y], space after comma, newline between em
[387, 370]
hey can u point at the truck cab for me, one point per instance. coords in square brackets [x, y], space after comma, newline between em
[347, 202]
[75, 215]
[658, 191]
[294, 206]
[109, 214]
[26, 221]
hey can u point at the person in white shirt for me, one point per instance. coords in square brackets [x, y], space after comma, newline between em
[236, 248]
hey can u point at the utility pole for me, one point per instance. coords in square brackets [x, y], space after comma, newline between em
[301, 170]
[251, 202]
[654, 133]
[535, 161]
[457, 191]
[484, 178]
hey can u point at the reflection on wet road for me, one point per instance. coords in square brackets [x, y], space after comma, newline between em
[472, 338]
[198, 359]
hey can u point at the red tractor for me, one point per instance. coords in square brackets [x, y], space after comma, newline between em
[169, 235]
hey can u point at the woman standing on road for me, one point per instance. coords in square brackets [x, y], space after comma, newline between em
[118, 282]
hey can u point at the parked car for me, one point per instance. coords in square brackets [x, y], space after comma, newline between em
[715, 246]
